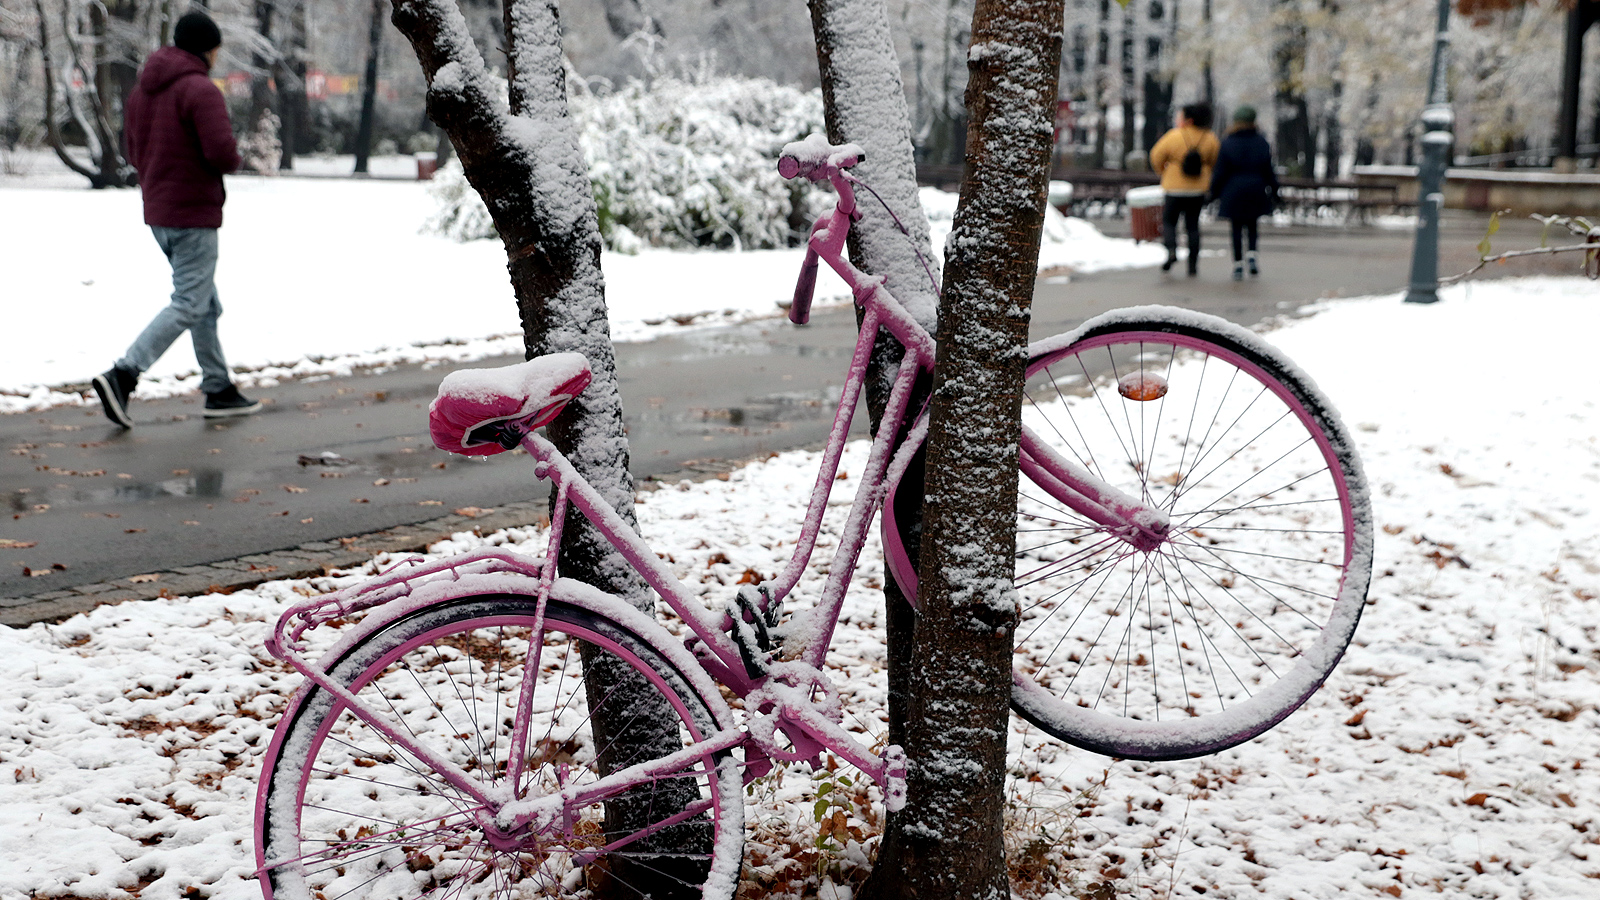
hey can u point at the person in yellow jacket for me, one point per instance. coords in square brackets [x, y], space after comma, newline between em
[1184, 158]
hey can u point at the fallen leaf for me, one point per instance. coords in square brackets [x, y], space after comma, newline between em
[472, 512]
[359, 500]
[123, 475]
[438, 465]
[1477, 799]
[133, 531]
[307, 520]
[40, 507]
[191, 522]
[430, 502]
[294, 489]
[34, 573]
[380, 482]
[180, 471]
[283, 513]
[144, 579]
[9, 544]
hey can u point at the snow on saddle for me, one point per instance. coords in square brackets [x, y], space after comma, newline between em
[481, 412]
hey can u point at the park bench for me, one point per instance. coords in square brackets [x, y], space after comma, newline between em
[1351, 201]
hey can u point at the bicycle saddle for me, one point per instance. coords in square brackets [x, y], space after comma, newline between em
[481, 412]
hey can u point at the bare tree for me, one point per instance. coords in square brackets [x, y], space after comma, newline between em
[864, 103]
[526, 164]
[369, 88]
[948, 841]
[95, 108]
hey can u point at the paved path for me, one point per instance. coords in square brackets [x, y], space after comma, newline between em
[335, 470]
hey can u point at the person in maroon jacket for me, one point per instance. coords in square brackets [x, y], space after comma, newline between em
[179, 138]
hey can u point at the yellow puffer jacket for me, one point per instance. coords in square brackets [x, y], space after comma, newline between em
[1166, 158]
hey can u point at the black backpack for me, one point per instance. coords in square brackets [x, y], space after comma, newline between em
[1192, 164]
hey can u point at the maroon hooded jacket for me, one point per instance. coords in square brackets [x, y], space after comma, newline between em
[179, 138]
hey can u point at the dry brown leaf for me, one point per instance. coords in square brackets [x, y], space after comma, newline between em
[144, 579]
[9, 544]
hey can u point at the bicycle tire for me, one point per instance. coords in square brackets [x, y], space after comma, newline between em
[348, 813]
[1227, 627]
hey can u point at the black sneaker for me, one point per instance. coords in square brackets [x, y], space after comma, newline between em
[1254, 270]
[114, 385]
[1238, 271]
[1171, 259]
[229, 402]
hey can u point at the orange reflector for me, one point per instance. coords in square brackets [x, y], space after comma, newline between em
[1142, 386]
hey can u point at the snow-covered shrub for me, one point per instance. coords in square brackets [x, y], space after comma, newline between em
[678, 163]
[260, 150]
[462, 215]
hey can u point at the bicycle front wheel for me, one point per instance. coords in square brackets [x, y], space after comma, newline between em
[346, 811]
[1230, 623]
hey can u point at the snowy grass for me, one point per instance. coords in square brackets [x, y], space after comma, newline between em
[326, 276]
[1452, 751]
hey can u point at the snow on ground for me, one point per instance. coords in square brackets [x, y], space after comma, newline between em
[322, 275]
[1452, 751]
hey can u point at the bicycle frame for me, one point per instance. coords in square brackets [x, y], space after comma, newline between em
[781, 695]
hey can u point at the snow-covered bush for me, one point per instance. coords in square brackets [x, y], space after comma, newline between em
[260, 150]
[678, 163]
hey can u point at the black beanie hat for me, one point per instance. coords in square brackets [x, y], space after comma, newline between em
[196, 33]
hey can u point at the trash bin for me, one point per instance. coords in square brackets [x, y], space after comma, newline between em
[427, 164]
[1060, 196]
[1144, 212]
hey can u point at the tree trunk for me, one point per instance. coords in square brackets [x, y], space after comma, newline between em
[529, 169]
[1158, 84]
[261, 98]
[369, 86]
[1102, 82]
[1208, 87]
[1293, 133]
[1130, 141]
[951, 833]
[291, 77]
[864, 103]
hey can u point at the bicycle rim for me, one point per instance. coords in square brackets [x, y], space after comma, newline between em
[347, 812]
[1233, 621]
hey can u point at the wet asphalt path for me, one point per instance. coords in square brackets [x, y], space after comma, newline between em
[347, 456]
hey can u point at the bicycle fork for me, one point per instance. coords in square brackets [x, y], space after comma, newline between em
[1142, 526]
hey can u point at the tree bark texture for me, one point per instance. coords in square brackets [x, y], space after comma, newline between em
[864, 102]
[952, 829]
[527, 166]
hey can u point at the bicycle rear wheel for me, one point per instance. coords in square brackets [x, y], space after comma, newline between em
[1233, 621]
[345, 811]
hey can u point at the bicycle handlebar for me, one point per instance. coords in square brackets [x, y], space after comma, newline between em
[817, 159]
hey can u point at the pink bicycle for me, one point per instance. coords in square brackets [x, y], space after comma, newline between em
[1193, 548]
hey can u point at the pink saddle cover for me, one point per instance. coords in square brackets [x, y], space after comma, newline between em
[535, 391]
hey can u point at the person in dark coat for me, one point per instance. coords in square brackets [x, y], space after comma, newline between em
[1245, 183]
[179, 138]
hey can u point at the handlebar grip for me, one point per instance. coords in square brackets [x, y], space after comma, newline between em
[804, 289]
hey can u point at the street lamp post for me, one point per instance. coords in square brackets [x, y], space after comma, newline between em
[1438, 123]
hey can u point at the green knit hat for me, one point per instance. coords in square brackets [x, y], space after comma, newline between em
[1245, 114]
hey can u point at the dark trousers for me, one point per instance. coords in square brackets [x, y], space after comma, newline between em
[1189, 208]
[1244, 229]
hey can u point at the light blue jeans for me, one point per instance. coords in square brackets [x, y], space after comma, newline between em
[194, 308]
